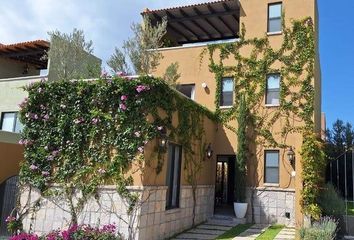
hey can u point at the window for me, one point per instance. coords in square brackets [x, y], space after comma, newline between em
[173, 175]
[227, 89]
[271, 166]
[10, 122]
[274, 17]
[187, 90]
[273, 89]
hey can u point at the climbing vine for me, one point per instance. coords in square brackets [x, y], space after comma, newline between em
[295, 113]
[79, 135]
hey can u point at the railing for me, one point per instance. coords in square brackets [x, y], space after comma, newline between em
[27, 78]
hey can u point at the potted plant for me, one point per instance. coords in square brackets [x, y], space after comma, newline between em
[240, 204]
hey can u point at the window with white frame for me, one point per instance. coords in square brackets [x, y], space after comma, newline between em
[187, 89]
[271, 166]
[10, 122]
[274, 17]
[273, 89]
[227, 92]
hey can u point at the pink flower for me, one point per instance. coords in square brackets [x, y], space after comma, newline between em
[78, 120]
[45, 173]
[121, 74]
[159, 128]
[101, 171]
[33, 167]
[55, 153]
[40, 90]
[124, 97]
[23, 103]
[141, 88]
[35, 116]
[95, 120]
[122, 106]
[46, 117]
[141, 149]
[137, 134]
[10, 219]
[50, 158]
[104, 74]
[25, 142]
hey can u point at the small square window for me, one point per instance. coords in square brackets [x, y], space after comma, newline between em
[274, 17]
[227, 90]
[271, 166]
[10, 122]
[273, 89]
[187, 89]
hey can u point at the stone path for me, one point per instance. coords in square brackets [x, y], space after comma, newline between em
[286, 234]
[252, 233]
[208, 230]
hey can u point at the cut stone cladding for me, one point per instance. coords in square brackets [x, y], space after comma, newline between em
[150, 221]
[272, 205]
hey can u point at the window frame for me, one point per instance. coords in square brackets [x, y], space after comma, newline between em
[16, 120]
[268, 17]
[265, 166]
[193, 90]
[221, 92]
[170, 176]
[266, 90]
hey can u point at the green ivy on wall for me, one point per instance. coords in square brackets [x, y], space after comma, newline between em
[296, 56]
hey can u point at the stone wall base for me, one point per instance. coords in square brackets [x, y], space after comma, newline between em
[151, 220]
[272, 205]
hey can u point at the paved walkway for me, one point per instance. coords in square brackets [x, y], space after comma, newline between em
[252, 233]
[286, 234]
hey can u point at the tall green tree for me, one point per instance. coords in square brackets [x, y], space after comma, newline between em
[241, 155]
[70, 56]
[139, 49]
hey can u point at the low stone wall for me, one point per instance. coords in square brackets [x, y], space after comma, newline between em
[272, 205]
[150, 221]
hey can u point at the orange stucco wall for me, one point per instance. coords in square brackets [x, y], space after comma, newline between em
[253, 13]
[10, 157]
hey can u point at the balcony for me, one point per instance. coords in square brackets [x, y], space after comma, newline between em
[199, 24]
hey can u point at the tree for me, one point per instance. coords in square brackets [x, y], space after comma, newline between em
[140, 48]
[71, 56]
[171, 75]
[241, 156]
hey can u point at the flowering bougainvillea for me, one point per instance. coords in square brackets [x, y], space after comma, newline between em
[87, 133]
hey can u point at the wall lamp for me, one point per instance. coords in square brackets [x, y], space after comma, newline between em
[209, 151]
[163, 138]
[291, 155]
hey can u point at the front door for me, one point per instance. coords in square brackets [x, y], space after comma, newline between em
[225, 178]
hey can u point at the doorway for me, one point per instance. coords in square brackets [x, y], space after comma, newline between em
[224, 185]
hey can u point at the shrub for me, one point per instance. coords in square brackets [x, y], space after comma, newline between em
[331, 202]
[324, 229]
[75, 232]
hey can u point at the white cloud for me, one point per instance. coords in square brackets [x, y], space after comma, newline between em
[106, 23]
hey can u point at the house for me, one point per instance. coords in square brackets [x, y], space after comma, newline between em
[205, 40]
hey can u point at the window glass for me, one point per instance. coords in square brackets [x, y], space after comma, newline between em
[19, 125]
[187, 90]
[8, 122]
[227, 89]
[173, 176]
[273, 89]
[274, 17]
[271, 167]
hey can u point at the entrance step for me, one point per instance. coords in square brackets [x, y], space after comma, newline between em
[233, 220]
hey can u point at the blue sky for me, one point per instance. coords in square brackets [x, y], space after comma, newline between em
[107, 24]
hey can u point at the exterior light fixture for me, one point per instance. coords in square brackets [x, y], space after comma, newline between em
[204, 85]
[163, 138]
[209, 151]
[291, 155]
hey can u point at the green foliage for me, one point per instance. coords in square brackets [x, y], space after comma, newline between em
[81, 134]
[241, 157]
[171, 75]
[331, 203]
[140, 49]
[296, 56]
[324, 229]
[270, 233]
[71, 57]
[235, 231]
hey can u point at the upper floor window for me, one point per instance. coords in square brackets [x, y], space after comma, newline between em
[227, 90]
[274, 17]
[173, 175]
[10, 122]
[187, 89]
[273, 89]
[271, 166]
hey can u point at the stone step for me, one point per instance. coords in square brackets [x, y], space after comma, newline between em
[221, 223]
[188, 235]
[206, 231]
[213, 227]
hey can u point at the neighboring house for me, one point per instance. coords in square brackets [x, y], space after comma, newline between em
[276, 183]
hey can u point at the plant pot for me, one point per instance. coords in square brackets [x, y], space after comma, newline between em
[240, 209]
